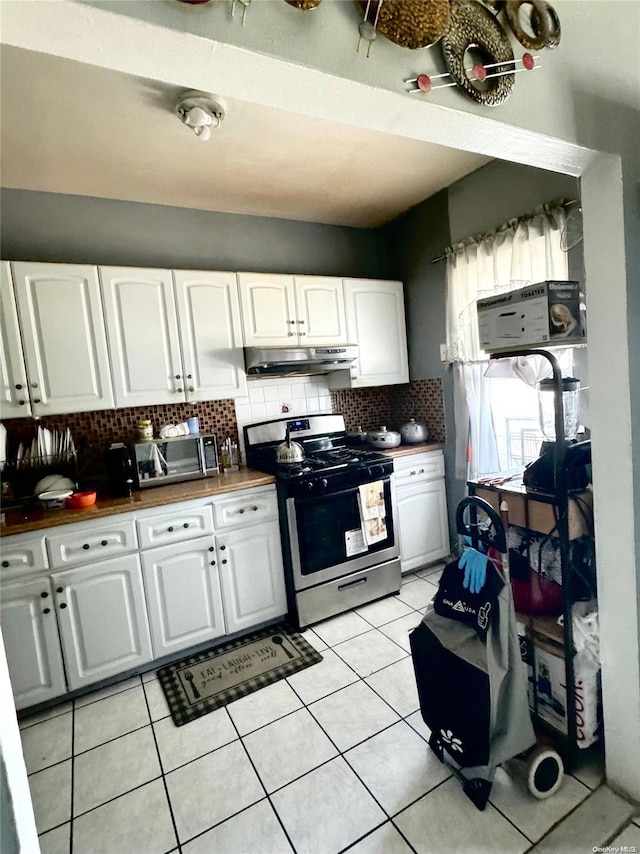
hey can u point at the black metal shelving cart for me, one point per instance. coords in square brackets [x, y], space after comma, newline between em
[565, 515]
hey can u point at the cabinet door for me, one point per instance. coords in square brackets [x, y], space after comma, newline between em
[183, 595]
[422, 523]
[376, 323]
[63, 337]
[31, 642]
[320, 311]
[15, 394]
[268, 310]
[103, 619]
[143, 336]
[210, 335]
[252, 575]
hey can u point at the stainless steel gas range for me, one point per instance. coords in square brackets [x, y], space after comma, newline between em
[337, 516]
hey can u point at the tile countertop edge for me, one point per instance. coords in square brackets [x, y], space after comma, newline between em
[17, 522]
[407, 450]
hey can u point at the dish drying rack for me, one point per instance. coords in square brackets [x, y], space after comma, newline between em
[49, 452]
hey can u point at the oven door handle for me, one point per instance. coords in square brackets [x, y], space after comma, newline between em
[349, 584]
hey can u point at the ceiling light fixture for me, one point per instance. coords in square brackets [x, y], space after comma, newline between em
[200, 112]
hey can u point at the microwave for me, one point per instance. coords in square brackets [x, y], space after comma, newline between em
[161, 461]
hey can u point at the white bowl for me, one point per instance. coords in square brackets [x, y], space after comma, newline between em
[55, 498]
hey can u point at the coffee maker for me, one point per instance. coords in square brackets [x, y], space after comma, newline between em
[120, 470]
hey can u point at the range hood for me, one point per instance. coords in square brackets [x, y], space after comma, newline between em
[289, 361]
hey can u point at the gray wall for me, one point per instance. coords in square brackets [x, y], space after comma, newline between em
[478, 203]
[39, 226]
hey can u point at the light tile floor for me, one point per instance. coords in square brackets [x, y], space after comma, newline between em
[333, 758]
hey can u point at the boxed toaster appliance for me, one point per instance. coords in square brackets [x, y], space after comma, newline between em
[543, 314]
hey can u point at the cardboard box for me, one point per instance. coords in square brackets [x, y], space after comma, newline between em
[545, 314]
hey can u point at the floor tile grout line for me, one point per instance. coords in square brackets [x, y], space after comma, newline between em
[22, 725]
[561, 819]
[73, 764]
[111, 740]
[511, 822]
[364, 836]
[115, 797]
[162, 774]
[107, 696]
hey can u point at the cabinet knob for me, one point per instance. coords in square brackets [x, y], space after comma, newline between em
[224, 560]
[63, 604]
[21, 402]
[301, 321]
[413, 472]
[241, 510]
[59, 589]
[290, 334]
[44, 595]
[34, 385]
[213, 563]
[170, 529]
[104, 543]
[86, 546]
[302, 334]
[421, 471]
[192, 388]
[37, 400]
[5, 563]
[189, 376]
[46, 610]
[178, 377]
[222, 548]
[18, 386]
[291, 322]
[210, 548]
[255, 507]
[178, 391]
[186, 525]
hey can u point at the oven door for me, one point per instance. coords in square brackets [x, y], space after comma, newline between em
[325, 536]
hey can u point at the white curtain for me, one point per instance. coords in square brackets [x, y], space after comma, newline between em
[518, 254]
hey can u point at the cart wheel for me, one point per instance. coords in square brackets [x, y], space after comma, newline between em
[545, 773]
[436, 745]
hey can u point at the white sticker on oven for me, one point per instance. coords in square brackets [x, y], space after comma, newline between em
[354, 542]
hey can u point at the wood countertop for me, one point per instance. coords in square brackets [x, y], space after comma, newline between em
[37, 518]
[407, 450]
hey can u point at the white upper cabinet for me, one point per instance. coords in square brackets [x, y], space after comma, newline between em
[143, 335]
[285, 310]
[63, 337]
[15, 394]
[211, 334]
[174, 337]
[268, 309]
[376, 323]
[320, 312]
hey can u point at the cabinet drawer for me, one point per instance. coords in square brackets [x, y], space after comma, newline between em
[245, 508]
[22, 554]
[79, 544]
[182, 522]
[418, 467]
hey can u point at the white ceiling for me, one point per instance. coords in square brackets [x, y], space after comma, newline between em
[68, 127]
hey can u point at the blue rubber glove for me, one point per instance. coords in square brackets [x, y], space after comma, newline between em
[467, 541]
[475, 570]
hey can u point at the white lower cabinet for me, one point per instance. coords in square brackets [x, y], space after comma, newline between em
[252, 575]
[71, 618]
[183, 595]
[421, 503]
[31, 641]
[103, 619]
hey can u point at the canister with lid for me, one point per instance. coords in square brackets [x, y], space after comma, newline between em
[145, 430]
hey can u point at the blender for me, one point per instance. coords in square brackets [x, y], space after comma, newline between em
[547, 410]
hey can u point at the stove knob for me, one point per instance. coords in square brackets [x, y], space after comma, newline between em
[378, 470]
[310, 485]
[369, 472]
[324, 483]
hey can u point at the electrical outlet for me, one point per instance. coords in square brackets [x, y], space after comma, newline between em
[285, 407]
[443, 352]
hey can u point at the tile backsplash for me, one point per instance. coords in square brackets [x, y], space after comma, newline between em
[393, 405]
[281, 397]
[266, 399]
